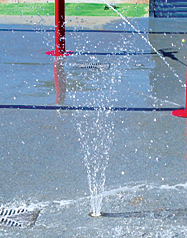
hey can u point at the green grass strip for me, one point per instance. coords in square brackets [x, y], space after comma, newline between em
[26, 9]
[93, 9]
[74, 9]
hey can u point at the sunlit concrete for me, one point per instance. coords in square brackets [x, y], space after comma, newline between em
[42, 157]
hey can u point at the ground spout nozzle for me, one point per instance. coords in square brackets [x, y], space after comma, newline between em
[91, 214]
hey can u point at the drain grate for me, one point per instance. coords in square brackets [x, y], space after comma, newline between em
[19, 217]
[9, 222]
[101, 66]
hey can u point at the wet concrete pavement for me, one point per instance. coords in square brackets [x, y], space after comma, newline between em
[42, 163]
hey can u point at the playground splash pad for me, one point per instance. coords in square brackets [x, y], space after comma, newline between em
[44, 153]
[141, 194]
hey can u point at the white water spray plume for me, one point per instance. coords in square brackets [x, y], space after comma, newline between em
[143, 37]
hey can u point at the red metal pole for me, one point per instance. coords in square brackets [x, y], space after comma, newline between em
[59, 30]
[59, 27]
[186, 90]
[182, 112]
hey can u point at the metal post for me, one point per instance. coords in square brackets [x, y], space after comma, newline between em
[59, 30]
[182, 112]
[59, 27]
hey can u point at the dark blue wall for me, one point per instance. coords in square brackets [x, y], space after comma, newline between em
[168, 8]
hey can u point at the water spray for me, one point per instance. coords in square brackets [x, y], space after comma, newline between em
[143, 37]
[181, 112]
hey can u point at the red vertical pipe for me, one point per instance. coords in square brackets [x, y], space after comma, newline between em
[59, 31]
[186, 89]
[182, 112]
[59, 27]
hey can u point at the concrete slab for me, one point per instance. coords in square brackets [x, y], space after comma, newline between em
[71, 21]
[46, 154]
